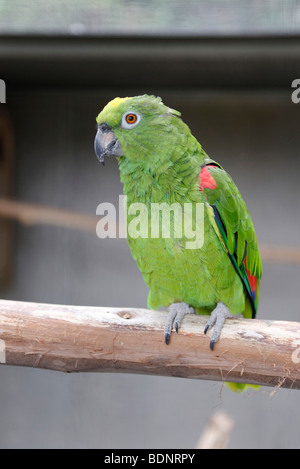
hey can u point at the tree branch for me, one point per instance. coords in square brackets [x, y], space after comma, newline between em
[105, 339]
[32, 214]
[217, 433]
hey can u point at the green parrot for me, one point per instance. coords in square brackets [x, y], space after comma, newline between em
[162, 163]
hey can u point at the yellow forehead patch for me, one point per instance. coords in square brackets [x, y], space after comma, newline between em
[115, 102]
[108, 113]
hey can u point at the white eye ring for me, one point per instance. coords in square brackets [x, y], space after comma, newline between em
[130, 120]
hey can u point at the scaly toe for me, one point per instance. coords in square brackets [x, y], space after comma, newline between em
[177, 311]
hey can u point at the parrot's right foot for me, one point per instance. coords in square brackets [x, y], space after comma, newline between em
[177, 311]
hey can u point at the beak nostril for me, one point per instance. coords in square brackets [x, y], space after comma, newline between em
[104, 127]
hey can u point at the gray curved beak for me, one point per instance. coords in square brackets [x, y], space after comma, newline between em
[106, 143]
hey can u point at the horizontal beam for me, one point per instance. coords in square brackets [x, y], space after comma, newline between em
[130, 340]
[141, 62]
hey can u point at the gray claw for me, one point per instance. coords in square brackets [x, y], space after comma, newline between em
[167, 338]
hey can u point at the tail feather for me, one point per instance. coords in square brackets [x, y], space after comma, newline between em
[240, 387]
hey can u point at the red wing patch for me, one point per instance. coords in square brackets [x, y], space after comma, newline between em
[252, 279]
[206, 180]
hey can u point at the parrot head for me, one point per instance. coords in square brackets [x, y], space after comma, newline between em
[135, 129]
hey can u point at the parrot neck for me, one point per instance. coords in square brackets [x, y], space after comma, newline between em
[173, 180]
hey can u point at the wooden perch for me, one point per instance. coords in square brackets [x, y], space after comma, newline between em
[105, 339]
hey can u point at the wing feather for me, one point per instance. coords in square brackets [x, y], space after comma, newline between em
[235, 228]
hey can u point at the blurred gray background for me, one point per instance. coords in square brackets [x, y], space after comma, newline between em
[234, 91]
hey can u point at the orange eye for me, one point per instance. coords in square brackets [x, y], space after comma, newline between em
[131, 118]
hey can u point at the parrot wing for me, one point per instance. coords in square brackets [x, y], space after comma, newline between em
[233, 225]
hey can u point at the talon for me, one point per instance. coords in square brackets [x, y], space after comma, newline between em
[167, 338]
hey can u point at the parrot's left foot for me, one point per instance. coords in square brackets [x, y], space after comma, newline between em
[217, 318]
[177, 311]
